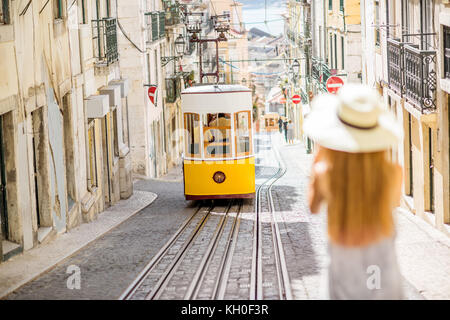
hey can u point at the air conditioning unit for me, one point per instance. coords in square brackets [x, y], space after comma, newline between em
[97, 106]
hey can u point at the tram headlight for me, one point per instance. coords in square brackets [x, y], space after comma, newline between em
[219, 177]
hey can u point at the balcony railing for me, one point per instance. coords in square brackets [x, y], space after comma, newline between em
[104, 36]
[173, 89]
[155, 25]
[320, 72]
[411, 73]
[173, 15]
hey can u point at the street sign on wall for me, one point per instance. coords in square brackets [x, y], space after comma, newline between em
[296, 99]
[152, 94]
[334, 84]
[282, 100]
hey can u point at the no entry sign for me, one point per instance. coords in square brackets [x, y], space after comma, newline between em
[296, 99]
[334, 84]
[152, 94]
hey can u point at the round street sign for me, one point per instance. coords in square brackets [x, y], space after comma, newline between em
[296, 99]
[334, 84]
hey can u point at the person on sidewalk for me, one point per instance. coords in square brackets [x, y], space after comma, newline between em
[290, 132]
[353, 176]
[285, 123]
[280, 124]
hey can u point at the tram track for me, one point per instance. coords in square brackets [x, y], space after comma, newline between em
[260, 289]
[198, 258]
[151, 284]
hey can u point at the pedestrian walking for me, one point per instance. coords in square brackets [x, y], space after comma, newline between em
[290, 132]
[280, 124]
[353, 176]
[285, 123]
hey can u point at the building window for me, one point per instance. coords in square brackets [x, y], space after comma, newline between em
[217, 134]
[342, 53]
[108, 8]
[192, 127]
[82, 12]
[335, 52]
[115, 135]
[58, 9]
[377, 23]
[447, 52]
[92, 181]
[3, 204]
[341, 5]
[4, 12]
[330, 5]
[243, 133]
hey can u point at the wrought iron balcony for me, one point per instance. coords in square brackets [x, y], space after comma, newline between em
[395, 65]
[104, 36]
[320, 72]
[173, 15]
[412, 74]
[173, 89]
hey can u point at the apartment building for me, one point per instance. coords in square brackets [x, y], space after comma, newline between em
[63, 125]
[406, 58]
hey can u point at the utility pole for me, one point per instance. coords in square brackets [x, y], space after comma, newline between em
[221, 25]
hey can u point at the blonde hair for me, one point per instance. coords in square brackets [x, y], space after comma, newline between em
[360, 195]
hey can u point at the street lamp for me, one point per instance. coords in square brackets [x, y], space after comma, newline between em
[295, 66]
[180, 45]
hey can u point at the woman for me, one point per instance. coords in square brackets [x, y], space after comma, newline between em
[353, 175]
[290, 132]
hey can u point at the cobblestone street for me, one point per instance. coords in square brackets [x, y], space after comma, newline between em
[111, 263]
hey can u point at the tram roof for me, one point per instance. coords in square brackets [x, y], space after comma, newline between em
[215, 88]
[216, 98]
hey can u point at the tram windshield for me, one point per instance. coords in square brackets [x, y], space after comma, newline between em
[192, 126]
[243, 133]
[217, 134]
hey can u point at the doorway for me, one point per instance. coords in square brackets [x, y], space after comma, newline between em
[3, 199]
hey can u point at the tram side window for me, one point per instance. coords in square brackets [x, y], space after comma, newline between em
[243, 133]
[217, 134]
[192, 126]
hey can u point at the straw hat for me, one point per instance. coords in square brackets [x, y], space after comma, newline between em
[352, 121]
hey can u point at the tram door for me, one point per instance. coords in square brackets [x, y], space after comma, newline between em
[3, 213]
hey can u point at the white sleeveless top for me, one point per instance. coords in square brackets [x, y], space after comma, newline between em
[364, 273]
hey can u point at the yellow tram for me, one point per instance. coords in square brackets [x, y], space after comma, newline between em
[218, 159]
[271, 121]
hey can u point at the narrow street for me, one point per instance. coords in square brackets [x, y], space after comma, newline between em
[271, 248]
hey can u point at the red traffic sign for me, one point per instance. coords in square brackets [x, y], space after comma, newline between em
[334, 84]
[152, 93]
[296, 99]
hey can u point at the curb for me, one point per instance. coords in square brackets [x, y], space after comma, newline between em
[22, 269]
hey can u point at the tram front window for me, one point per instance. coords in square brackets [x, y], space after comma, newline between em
[217, 134]
[192, 126]
[243, 135]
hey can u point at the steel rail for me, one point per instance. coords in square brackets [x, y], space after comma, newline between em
[256, 287]
[158, 256]
[284, 284]
[170, 271]
[225, 265]
[195, 284]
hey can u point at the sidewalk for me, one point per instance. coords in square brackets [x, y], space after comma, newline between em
[21, 269]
